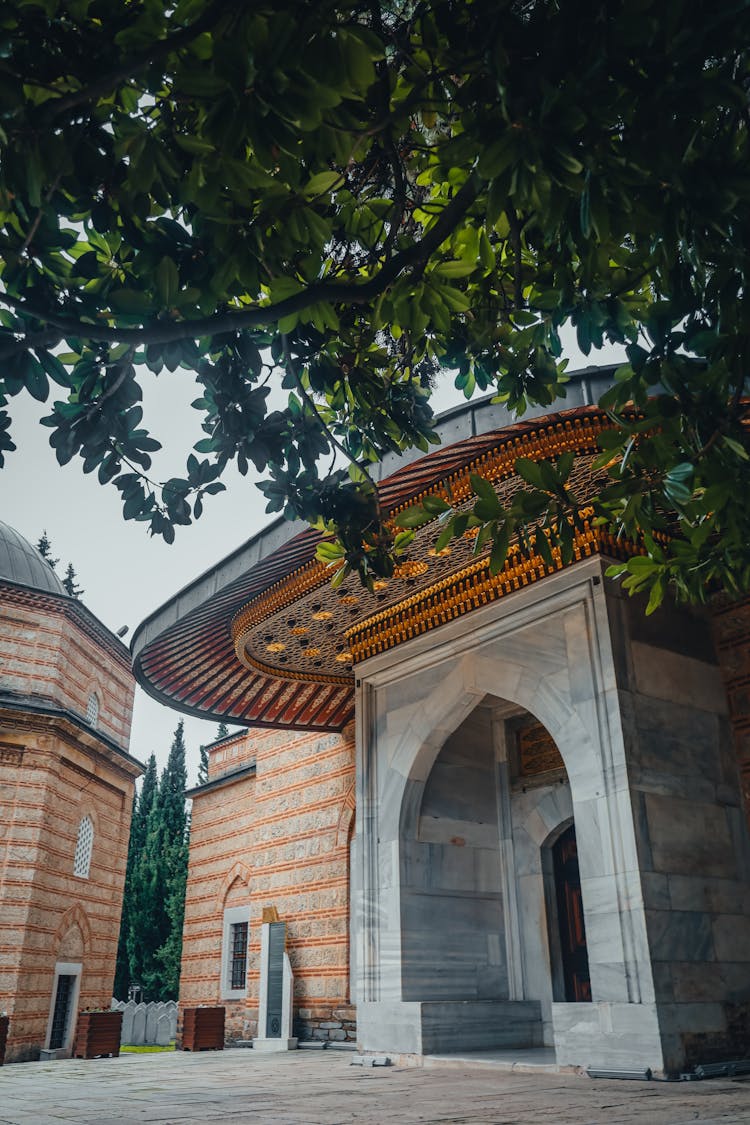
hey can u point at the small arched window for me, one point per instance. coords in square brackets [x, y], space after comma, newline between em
[92, 709]
[84, 848]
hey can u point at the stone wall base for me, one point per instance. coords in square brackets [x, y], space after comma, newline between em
[608, 1036]
[328, 1025]
[426, 1027]
[667, 1038]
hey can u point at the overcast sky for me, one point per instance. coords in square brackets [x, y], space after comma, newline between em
[126, 574]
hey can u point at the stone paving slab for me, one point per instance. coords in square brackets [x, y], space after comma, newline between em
[322, 1088]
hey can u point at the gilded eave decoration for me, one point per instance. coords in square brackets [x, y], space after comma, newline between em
[303, 629]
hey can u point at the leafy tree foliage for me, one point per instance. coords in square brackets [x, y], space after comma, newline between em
[154, 903]
[361, 195]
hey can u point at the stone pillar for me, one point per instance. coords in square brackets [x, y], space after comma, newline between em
[274, 961]
[692, 837]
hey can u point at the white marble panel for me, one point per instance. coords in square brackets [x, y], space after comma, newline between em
[608, 1036]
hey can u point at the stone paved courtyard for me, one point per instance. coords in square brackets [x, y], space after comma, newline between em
[239, 1087]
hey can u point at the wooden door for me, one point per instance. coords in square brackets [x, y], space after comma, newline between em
[575, 959]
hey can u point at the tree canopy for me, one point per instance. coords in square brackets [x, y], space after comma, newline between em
[360, 198]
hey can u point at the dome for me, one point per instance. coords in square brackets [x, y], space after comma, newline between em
[22, 563]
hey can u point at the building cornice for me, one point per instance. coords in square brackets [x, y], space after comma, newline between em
[71, 609]
[35, 714]
[219, 782]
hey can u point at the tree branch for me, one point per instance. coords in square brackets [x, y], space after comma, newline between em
[258, 315]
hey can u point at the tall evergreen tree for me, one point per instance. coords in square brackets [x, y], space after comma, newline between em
[122, 965]
[168, 839]
[44, 547]
[172, 787]
[70, 582]
[203, 766]
[221, 731]
[136, 903]
[151, 933]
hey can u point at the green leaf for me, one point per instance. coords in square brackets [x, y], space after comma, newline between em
[435, 505]
[483, 488]
[499, 551]
[455, 269]
[130, 301]
[167, 281]
[735, 447]
[530, 471]
[415, 516]
[656, 596]
[322, 183]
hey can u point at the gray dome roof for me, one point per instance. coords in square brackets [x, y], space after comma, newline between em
[22, 563]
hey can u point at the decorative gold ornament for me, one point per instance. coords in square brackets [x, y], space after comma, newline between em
[412, 568]
[375, 623]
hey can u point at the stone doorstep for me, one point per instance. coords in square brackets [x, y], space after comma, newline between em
[532, 1060]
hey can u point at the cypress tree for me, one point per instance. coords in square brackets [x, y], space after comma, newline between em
[151, 932]
[44, 547]
[138, 888]
[122, 965]
[70, 582]
[203, 766]
[129, 960]
[222, 731]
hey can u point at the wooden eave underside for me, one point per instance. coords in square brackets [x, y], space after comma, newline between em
[192, 664]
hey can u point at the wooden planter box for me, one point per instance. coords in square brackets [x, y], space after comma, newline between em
[97, 1033]
[4, 1021]
[203, 1029]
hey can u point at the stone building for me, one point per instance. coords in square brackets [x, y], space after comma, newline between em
[66, 792]
[550, 846]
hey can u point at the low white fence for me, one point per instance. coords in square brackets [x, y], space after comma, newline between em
[153, 1025]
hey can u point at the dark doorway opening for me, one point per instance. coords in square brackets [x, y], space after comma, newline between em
[575, 959]
[61, 1012]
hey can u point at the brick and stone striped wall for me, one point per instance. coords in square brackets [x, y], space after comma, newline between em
[278, 836]
[54, 770]
[52, 649]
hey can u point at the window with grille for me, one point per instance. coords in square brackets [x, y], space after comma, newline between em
[234, 952]
[84, 848]
[92, 709]
[237, 955]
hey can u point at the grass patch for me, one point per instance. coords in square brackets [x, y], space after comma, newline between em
[148, 1050]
